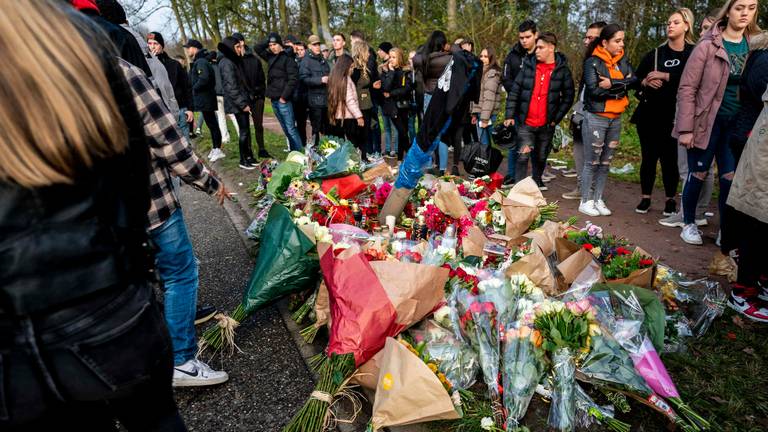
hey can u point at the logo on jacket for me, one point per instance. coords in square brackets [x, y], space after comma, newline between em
[672, 63]
[444, 83]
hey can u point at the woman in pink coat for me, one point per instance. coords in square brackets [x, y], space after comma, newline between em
[344, 114]
[707, 102]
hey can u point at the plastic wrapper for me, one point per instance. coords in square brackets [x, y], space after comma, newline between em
[347, 186]
[412, 168]
[480, 324]
[282, 177]
[456, 359]
[633, 303]
[562, 411]
[523, 367]
[285, 263]
[700, 301]
[608, 363]
[338, 164]
[261, 211]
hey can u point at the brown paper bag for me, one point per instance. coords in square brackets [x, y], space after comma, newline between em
[407, 392]
[322, 306]
[571, 267]
[564, 248]
[526, 193]
[546, 236]
[382, 170]
[474, 243]
[536, 267]
[519, 219]
[448, 200]
[367, 375]
[642, 278]
[413, 289]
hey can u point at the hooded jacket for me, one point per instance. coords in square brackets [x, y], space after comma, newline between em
[254, 74]
[399, 86]
[613, 101]
[754, 81]
[431, 68]
[237, 95]
[312, 69]
[202, 78]
[559, 96]
[512, 65]
[702, 87]
[490, 95]
[282, 72]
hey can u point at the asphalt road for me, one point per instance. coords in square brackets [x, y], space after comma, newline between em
[269, 380]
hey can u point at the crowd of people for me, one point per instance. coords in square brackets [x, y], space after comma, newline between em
[88, 190]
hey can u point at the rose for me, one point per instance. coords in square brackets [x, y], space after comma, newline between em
[646, 262]
[587, 246]
[442, 314]
[487, 423]
[594, 230]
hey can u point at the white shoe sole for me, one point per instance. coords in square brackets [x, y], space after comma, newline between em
[692, 242]
[595, 214]
[249, 167]
[681, 224]
[742, 312]
[642, 211]
[571, 197]
[183, 382]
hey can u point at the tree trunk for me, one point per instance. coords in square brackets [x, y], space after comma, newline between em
[451, 25]
[324, 29]
[313, 7]
[283, 10]
[179, 20]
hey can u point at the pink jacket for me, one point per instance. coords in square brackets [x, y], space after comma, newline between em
[701, 88]
[353, 108]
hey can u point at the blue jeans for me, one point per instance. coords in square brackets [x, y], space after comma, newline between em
[442, 148]
[374, 132]
[284, 114]
[390, 134]
[700, 161]
[177, 268]
[182, 122]
[484, 134]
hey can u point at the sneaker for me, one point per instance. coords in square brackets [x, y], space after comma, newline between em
[247, 166]
[572, 195]
[762, 285]
[195, 373]
[691, 234]
[548, 176]
[509, 181]
[676, 221]
[588, 208]
[670, 207]
[546, 179]
[570, 173]
[602, 208]
[218, 154]
[211, 155]
[392, 154]
[744, 301]
[198, 131]
[263, 154]
[717, 240]
[644, 205]
[543, 187]
[204, 313]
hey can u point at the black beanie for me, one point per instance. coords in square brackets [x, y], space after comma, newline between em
[112, 11]
[238, 36]
[157, 37]
[275, 38]
[385, 46]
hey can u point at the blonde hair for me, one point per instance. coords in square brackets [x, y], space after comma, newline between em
[57, 112]
[688, 19]
[722, 18]
[360, 56]
[399, 55]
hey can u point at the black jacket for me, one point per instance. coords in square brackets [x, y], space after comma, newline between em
[657, 106]
[559, 97]
[179, 79]
[254, 74]
[312, 69]
[512, 65]
[126, 44]
[282, 73]
[430, 68]
[595, 96]
[753, 84]
[234, 87]
[63, 242]
[399, 86]
[203, 80]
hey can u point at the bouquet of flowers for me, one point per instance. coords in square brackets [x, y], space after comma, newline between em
[457, 360]
[625, 263]
[489, 216]
[523, 367]
[566, 330]
[338, 158]
[480, 323]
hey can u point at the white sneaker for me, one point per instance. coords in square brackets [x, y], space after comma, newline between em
[691, 235]
[588, 208]
[195, 373]
[601, 207]
[216, 154]
[719, 235]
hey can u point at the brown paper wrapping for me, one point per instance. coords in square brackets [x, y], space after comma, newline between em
[367, 375]
[642, 278]
[413, 289]
[382, 170]
[322, 306]
[448, 200]
[526, 193]
[474, 243]
[407, 392]
[536, 267]
[572, 266]
[564, 248]
[520, 206]
[546, 236]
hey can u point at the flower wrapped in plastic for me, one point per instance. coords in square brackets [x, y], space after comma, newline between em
[523, 367]
[456, 359]
[480, 323]
[338, 158]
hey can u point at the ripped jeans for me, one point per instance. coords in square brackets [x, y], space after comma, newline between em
[601, 138]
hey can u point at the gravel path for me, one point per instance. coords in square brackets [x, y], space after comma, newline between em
[268, 381]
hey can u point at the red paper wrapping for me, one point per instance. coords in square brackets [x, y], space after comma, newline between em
[347, 187]
[363, 315]
[496, 181]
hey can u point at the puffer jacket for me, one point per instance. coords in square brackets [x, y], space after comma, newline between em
[254, 74]
[614, 100]
[702, 87]
[312, 69]
[512, 65]
[559, 97]
[203, 80]
[431, 70]
[234, 87]
[399, 86]
[490, 95]
[282, 72]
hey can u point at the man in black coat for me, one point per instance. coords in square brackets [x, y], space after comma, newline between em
[178, 77]
[300, 107]
[282, 77]
[313, 73]
[256, 83]
[540, 98]
[237, 96]
[203, 81]
[524, 48]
